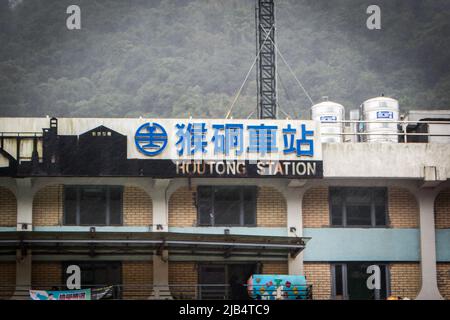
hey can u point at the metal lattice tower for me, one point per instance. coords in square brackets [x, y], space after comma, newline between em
[266, 73]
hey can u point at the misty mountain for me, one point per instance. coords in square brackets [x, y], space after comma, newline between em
[181, 58]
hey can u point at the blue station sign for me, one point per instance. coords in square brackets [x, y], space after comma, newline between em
[232, 147]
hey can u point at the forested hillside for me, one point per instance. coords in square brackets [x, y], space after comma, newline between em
[180, 58]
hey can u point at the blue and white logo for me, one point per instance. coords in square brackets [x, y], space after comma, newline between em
[328, 118]
[385, 115]
[151, 139]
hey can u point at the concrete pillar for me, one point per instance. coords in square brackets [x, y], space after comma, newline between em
[160, 202]
[160, 205]
[24, 196]
[23, 275]
[161, 289]
[429, 290]
[294, 199]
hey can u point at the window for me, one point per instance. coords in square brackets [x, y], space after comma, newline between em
[98, 275]
[350, 281]
[225, 281]
[226, 206]
[358, 206]
[93, 205]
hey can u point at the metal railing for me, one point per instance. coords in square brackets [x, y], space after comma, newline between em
[144, 292]
[402, 126]
[19, 137]
[23, 134]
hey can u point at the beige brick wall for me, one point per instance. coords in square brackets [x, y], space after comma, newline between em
[442, 210]
[182, 210]
[406, 279]
[185, 274]
[48, 206]
[137, 279]
[45, 275]
[403, 208]
[315, 208]
[7, 279]
[319, 275]
[137, 207]
[443, 279]
[275, 268]
[8, 208]
[271, 208]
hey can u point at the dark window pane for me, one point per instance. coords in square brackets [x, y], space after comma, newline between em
[336, 207]
[226, 206]
[358, 215]
[338, 281]
[357, 282]
[212, 279]
[98, 274]
[70, 205]
[204, 193]
[93, 206]
[336, 215]
[379, 196]
[249, 206]
[335, 196]
[227, 209]
[358, 206]
[380, 215]
[204, 203]
[101, 275]
[237, 276]
[115, 205]
[87, 276]
[383, 291]
[380, 202]
[358, 196]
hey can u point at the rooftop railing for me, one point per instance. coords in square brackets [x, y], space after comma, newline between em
[405, 130]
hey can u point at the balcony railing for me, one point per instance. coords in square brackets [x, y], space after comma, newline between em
[144, 292]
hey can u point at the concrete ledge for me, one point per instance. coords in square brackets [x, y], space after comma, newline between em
[253, 231]
[442, 245]
[385, 160]
[358, 244]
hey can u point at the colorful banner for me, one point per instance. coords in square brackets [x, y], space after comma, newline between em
[277, 287]
[83, 294]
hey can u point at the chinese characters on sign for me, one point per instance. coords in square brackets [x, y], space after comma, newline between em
[232, 148]
[227, 139]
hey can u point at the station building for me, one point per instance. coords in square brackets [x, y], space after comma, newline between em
[104, 195]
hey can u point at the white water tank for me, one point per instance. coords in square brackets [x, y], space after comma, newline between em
[329, 114]
[382, 112]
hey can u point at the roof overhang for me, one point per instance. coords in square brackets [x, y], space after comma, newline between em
[114, 243]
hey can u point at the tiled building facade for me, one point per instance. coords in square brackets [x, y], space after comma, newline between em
[151, 234]
[271, 212]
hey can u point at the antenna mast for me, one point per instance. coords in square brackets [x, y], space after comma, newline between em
[266, 73]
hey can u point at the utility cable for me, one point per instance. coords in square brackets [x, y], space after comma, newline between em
[290, 69]
[246, 77]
